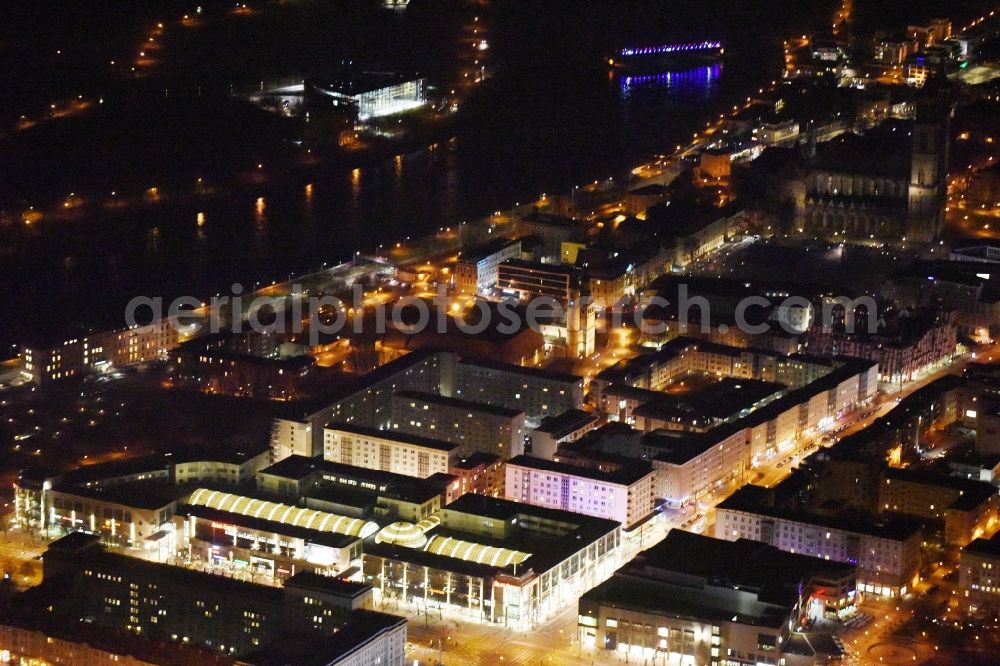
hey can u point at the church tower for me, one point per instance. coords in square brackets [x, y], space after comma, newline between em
[928, 190]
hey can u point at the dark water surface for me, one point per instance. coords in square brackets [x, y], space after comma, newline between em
[550, 117]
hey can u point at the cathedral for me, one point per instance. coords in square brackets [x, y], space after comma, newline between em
[889, 183]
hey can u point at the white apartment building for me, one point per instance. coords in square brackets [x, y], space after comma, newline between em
[476, 271]
[298, 429]
[387, 450]
[473, 426]
[625, 495]
[691, 465]
[535, 391]
[226, 470]
[887, 554]
[563, 428]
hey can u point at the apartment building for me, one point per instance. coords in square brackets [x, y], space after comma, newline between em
[886, 551]
[624, 494]
[563, 428]
[93, 352]
[471, 425]
[475, 271]
[388, 450]
[966, 508]
[535, 391]
[979, 576]
[298, 427]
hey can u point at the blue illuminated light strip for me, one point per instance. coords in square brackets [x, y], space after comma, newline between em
[693, 77]
[672, 48]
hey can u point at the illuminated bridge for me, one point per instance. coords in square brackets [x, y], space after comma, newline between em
[665, 49]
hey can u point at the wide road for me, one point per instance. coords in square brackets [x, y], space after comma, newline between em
[463, 643]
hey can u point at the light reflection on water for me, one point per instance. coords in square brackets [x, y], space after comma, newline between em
[690, 82]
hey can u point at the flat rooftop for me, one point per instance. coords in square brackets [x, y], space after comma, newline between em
[330, 584]
[312, 650]
[743, 563]
[476, 459]
[139, 495]
[550, 536]
[972, 493]
[563, 424]
[749, 499]
[624, 475]
[484, 250]
[388, 484]
[538, 373]
[721, 399]
[393, 435]
[303, 410]
[701, 603]
[458, 403]
[354, 82]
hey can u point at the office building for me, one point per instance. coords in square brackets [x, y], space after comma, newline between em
[372, 94]
[777, 133]
[571, 328]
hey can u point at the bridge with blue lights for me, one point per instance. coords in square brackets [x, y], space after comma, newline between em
[665, 49]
